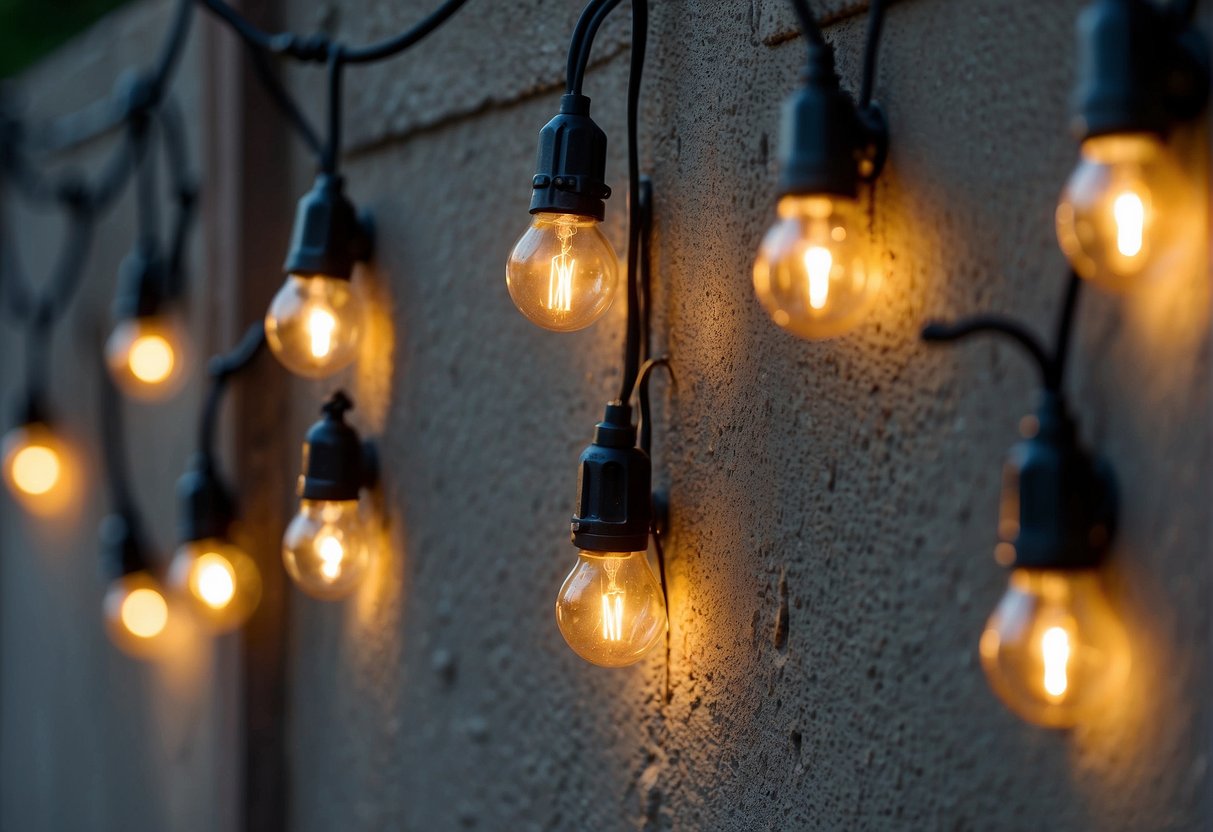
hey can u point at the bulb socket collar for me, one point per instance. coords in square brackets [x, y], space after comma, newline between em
[123, 546]
[614, 488]
[827, 145]
[337, 464]
[329, 236]
[1140, 69]
[570, 171]
[207, 507]
[1066, 498]
[142, 281]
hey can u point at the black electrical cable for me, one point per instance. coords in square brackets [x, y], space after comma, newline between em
[577, 42]
[113, 445]
[871, 50]
[808, 25]
[185, 193]
[1065, 328]
[316, 49]
[221, 368]
[633, 338]
[146, 212]
[996, 325]
[277, 92]
[583, 43]
[332, 147]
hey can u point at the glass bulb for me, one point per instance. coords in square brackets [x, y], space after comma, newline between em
[1127, 214]
[137, 615]
[610, 609]
[326, 548]
[38, 468]
[1054, 650]
[812, 274]
[147, 356]
[313, 325]
[220, 580]
[562, 272]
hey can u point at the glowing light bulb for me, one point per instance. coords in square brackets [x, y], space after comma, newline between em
[38, 468]
[314, 324]
[146, 356]
[1054, 650]
[220, 581]
[137, 615]
[562, 272]
[610, 609]
[1127, 214]
[326, 548]
[812, 274]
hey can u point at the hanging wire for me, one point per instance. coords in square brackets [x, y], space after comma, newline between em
[221, 368]
[809, 27]
[871, 50]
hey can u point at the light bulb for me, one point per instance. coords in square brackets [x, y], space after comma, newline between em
[326, 548]
[812, 274]
[1127, 214]
[610, 609]
[147, 356]
[38, 468]
[562, 272]
[313, 325]
[137, 615]
[1054, 650]
[220, 580]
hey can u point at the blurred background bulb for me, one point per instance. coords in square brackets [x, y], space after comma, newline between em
[1127, 214]
[137, 615]
[220, 580]
[38, 468]
[1054, 650]
[147, 356]
[610, 609]
[326, 548]
[812, 274]
[562, 272]
[313, 325]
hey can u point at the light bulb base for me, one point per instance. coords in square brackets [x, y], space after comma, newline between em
[329, 235]
[1064, 499]
[142, 283]
[614, 488]
[1140, 69]
[207, 508]
[337, 464]
[570, 169]
[123, 547]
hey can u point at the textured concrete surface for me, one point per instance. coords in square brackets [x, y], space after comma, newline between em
[833, 504]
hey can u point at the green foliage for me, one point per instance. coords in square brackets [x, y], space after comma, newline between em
[30, 29]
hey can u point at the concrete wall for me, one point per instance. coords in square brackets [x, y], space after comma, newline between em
[845, 491]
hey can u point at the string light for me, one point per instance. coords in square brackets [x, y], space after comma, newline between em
[814, 274]
[1053, 650]
[327, 546]
[1129, 214]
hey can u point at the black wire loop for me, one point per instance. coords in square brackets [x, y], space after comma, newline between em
[221, 368]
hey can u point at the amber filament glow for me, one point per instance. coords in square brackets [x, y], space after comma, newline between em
[1054, 650]
[144, 613]
[610, 609]
[812, 273]
[326, 548]
[219, 580]
[314, 325]
[137, 615]
[562, 272]
[1128, 213]
[38, 468]
[146, 356]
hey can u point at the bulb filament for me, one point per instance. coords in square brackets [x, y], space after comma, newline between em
[1130, 215]
[612, 604]
[818, 262]
[331, 553]
[1055, 645]
[560, 279]
[151, 359]
[36, 469]
[320, 326]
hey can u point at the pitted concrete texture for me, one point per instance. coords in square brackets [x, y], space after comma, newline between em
[833, 504]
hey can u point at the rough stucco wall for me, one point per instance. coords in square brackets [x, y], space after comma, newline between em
[850, 486]
[91, 739]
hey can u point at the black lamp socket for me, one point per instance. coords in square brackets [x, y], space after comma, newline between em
[329, 235]
[828, 145]
[614, 488]
[141, 283]
[207, 508]
[1066, 497]
[337, 464]
[123, 547]
[570, 171]
[1140, 69]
